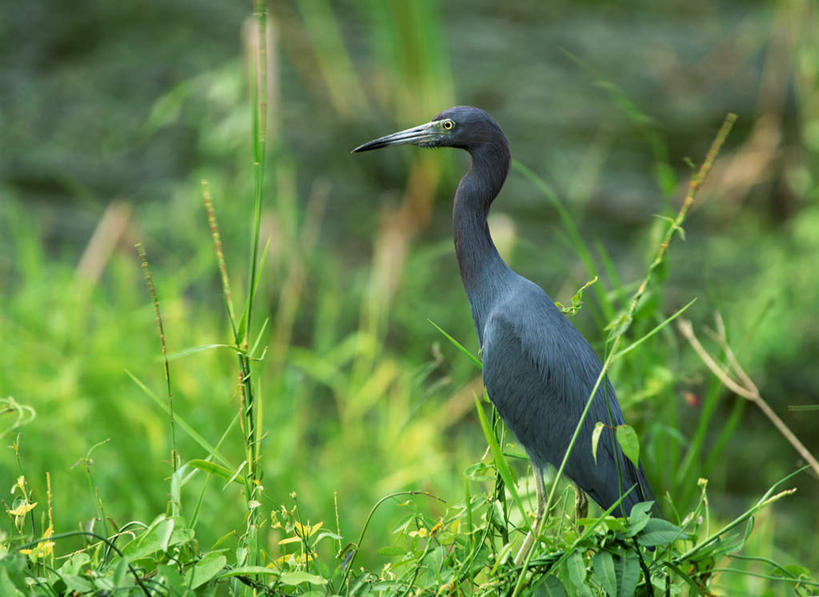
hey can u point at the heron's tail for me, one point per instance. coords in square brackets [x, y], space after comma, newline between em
[641, 493]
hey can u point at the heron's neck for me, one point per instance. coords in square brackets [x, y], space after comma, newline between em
[483, 271]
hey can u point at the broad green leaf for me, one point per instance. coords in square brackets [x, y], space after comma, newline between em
[104, 584]
[121, 578]
[627, 569]
[598, 430]
[638, 518]
[172, 579]
[577, 570]
[163, 533]
[73, 583]
[550, 587]
[206, 569]
[74, 564]
[6, 586]
[156, 537]
[298, 576]
[659, 532]
[627, 438]
[604, 572]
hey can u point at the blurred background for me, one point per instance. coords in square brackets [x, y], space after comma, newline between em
[111, 114]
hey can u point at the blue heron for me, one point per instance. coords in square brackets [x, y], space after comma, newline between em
[538, 369]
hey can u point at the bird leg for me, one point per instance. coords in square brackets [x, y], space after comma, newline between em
[540, 492]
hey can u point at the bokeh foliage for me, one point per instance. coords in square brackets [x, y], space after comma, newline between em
[362, 396]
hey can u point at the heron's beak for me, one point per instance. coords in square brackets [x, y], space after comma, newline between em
[422, 135]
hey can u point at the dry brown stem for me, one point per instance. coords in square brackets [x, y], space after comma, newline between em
[742, 386]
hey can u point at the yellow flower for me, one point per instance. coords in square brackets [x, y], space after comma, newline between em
[307, 530]
[44, 548]
[20, 512]
[294, 559]
[22, 509]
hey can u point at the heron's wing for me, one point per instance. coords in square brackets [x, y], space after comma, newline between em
[539, 372]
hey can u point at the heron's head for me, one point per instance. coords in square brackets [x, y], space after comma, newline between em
[464, 127]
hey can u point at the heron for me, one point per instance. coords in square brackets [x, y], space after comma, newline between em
[538, 369]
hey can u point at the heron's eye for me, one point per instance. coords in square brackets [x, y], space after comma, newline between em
[448, 125]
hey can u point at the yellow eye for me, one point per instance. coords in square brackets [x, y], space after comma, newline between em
[448, 125]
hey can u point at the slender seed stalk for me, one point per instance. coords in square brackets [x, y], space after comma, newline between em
[149, 282]
[220, 256]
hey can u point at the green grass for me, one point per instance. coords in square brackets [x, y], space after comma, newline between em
[309, 451]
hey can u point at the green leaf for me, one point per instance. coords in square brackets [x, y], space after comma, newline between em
[604, 572]
[206, 569]
[618, 325]
[627, 438]
[173, 580]
[792, 571]
[298, 576]
[259, 338]
[479, 471]
[214, 469]
[627, 570]
[167, 108]
[458, 345]
[660, 532]
[121, 579]
[598, 430]
[550, 587]
[156, 537]
[577, 299]
[391, 551]
[656, 329]
[163, 533]
[610, 522]
[6, 586]
[500, 462]
[577, 570]
[73, 583]
[162, 403]
[74, 564]
[197, 349]
[638, 518]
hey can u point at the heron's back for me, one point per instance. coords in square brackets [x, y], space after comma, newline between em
[539, 372]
